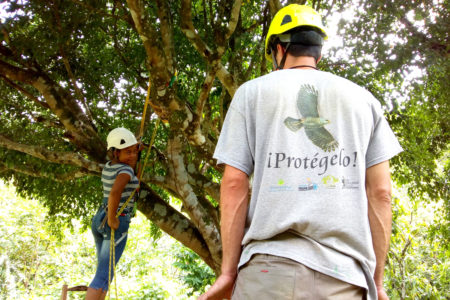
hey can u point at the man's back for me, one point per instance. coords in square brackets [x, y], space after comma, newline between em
[308, 136]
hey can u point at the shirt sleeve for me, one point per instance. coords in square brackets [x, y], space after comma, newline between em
[383, 144]
[126, 170]
[233, 147]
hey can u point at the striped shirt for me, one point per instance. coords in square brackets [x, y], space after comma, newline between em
[109, 175]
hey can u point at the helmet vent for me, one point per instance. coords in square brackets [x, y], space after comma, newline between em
[286, 19]
[122, 141]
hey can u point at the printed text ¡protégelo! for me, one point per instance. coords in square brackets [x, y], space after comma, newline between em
[282, 160]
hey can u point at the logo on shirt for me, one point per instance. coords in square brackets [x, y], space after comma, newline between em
[330, 182]
[281, 186]
[309, 186]
[350, 183]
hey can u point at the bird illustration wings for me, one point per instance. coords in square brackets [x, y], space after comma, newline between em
[307, 101]
[321, 138]
[293, 124]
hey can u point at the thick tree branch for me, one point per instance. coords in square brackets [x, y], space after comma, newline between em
[206, 185]
[191, 33]
[156, 60]
[35, 172]
[195, 210]
[48, 121]
[227, 80]
[14, 73]
[67, 158]
[205, 89]
[163, 100]
[174, 223]
[80, 129]
[24, 92]
[234, 18]
[74, 84]
[166, 33]
[194, 132]
[274, 6]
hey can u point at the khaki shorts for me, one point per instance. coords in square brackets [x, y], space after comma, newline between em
[273, 277]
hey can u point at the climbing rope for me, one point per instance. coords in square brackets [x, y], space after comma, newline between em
[147, 100]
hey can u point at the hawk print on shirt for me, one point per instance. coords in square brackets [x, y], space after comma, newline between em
[310, 120]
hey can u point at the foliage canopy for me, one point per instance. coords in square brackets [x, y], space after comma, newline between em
[72, 70]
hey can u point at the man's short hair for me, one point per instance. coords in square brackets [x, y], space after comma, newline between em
[305, 41]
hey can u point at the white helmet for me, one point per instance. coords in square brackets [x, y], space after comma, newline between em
[120, 138]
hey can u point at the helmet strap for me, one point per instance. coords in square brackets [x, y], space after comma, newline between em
[283, 59]
[274, 60]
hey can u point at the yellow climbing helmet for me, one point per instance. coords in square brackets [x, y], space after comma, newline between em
[289, 17]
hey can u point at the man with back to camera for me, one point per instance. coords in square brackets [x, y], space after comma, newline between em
[318, 146]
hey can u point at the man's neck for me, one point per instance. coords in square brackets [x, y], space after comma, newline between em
[302, 62]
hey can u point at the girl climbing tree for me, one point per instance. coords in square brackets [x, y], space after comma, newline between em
[119, 183]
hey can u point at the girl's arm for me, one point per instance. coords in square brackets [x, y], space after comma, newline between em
[114, 198]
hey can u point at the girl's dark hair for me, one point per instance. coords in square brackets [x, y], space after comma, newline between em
[110, 152]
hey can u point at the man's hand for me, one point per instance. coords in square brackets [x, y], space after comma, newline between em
[221, 289]
[113, 223]
[382, 293]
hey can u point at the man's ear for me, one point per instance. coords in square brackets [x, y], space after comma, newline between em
[280, 49]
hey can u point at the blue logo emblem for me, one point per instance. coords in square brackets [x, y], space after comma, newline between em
[310, 186]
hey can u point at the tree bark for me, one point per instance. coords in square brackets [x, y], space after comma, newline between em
[173, 223]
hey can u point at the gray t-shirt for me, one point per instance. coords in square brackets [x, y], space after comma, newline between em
[307, 137]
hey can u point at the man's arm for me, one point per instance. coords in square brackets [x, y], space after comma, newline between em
[378, 189]
[233, 213]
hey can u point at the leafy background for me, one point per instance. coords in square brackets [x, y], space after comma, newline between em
[37, 259]
[398, 50]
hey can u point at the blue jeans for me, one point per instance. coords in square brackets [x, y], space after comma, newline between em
[102, 237]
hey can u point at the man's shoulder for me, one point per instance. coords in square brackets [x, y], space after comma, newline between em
[346, 87]
[317, 75]
[339, 80]
[275, 81]
[260, 79]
